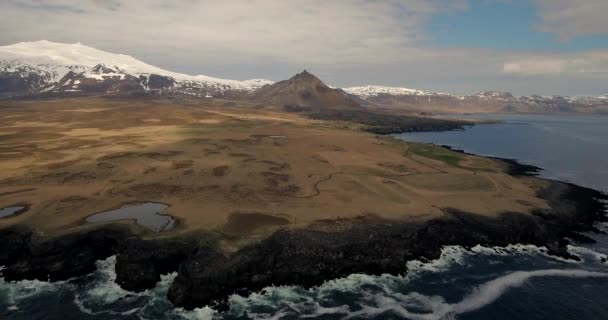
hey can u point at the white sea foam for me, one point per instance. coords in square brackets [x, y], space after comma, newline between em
[583, 253]
[479, 297]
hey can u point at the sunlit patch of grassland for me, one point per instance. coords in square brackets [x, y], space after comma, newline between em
[438, 153]
[444, 155]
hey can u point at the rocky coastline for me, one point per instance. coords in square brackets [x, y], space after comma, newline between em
[306, 257]
[513, 167]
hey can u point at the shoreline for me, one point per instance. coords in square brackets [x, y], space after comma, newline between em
[305, 256]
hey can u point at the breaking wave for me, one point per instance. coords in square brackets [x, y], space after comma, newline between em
[480, 296]
[488, 274]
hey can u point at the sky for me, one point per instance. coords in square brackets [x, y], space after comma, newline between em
[459, 46]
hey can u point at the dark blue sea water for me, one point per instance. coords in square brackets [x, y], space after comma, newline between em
[519, 282]
[569, 148]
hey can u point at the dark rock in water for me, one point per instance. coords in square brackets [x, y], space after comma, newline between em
[70, 255]
[140, 263]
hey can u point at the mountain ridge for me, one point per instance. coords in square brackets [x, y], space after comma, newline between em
[46, 63]
[44, 68]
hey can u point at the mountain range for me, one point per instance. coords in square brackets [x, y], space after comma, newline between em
[43, 67]
[48, 69]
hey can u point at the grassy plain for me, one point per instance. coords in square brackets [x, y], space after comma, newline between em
[214, 162]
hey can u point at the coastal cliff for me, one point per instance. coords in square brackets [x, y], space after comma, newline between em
[303, 256]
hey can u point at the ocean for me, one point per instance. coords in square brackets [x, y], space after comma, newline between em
[518, 282]
[568, 148]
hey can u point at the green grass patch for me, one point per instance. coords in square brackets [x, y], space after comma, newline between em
[434, 152]
[442, 154]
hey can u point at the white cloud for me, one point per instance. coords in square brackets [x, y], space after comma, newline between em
[314, 31]
[568, 19]
[587, 64]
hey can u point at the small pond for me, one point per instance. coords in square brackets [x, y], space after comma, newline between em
[148, 214]
[9, 211]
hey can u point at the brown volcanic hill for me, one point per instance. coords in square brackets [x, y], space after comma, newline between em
[304, 91]
[307, 94]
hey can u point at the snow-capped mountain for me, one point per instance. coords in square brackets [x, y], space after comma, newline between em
[372, 91]
[43, 66]
[486, 101]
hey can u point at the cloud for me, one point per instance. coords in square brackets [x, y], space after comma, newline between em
[314, 31]
[568, 19]
[586, 64]
[346, 42]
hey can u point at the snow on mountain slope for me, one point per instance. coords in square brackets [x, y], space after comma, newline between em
[372, 90]
[382, 93]
[52, 61]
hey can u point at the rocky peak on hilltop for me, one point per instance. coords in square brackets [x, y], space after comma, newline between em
[304, 91]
